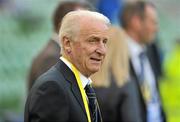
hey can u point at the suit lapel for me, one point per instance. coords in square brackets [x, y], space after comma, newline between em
[77, 94]
[132, 71]
[135, 77]
[99, 114]
[152, 62]
[69, 76]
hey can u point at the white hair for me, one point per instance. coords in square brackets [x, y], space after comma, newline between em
[70, 23]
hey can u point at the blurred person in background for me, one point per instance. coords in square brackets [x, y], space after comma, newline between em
[58, 94]
[49, 55]
[139, 20]
[171, 82]
[116, 91]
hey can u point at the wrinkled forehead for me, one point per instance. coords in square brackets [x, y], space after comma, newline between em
[94, 26]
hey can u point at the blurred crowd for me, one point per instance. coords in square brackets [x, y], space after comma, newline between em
[128, 84]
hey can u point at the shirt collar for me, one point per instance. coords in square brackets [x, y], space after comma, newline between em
[84, 79]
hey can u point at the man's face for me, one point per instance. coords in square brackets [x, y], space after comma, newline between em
[88, 49]
[149, 25]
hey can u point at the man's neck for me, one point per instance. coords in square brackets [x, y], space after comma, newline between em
[69, 60]
[134, 36]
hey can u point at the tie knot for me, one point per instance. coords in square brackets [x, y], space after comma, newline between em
[89, 90]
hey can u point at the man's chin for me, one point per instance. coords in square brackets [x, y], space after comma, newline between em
[95, 69]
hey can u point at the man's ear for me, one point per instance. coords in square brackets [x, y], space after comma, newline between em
[67, 44]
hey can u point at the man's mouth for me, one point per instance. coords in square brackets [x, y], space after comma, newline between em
[96, 59]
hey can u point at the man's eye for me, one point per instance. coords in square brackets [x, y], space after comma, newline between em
[93, 40]
[105, 41]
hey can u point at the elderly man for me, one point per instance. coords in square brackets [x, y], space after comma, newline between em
[49, 55]
[63, 93]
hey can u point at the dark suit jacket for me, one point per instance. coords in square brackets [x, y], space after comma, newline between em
[55, 97]
[119, 104]
[43, 61]
[153, 57]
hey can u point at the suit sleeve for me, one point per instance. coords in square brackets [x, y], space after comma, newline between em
[49, 103]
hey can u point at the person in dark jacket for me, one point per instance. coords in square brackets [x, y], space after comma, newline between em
[59, 94]
[139, 21]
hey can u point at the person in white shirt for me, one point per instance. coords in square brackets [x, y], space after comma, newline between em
[139, 21]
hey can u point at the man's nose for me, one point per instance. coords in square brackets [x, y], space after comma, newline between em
[101, 48]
